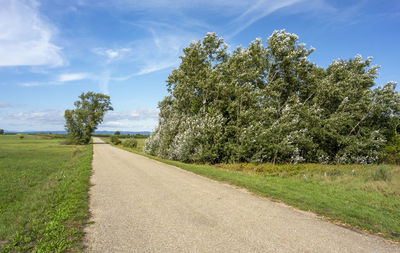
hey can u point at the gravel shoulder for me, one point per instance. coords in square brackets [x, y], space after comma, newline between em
[141, 205]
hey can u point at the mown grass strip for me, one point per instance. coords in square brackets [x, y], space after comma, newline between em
[372, 211]
[43, 194]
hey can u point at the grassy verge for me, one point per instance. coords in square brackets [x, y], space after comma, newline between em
[43, 194]
[366, 197]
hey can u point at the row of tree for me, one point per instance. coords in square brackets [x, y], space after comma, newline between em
[272, 104]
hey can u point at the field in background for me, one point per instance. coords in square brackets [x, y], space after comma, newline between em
[43, 193]
[366, 197]
[139, 147]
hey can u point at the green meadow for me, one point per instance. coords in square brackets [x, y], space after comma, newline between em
[366, 197]
[43, 193]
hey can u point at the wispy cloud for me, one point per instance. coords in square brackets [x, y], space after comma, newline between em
[159, 50]
[60, 79]
[73, 77]
[54, 117]
[104, 81]
[33, 84]
[26, 38]
[257, 11]
[139, 113]
[112, 54]
[5, 105]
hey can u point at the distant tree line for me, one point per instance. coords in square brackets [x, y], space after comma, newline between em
[271, 104]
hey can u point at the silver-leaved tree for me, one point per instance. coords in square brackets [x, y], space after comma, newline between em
[270, 103]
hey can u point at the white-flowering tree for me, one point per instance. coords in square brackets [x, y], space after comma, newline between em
[270, 103]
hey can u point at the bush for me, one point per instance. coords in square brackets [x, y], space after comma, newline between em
[130, 143]
[391, 152]
[380, 173]
[115, 140]
[21, 137]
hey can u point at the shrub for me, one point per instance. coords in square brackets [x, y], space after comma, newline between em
[391, 152]
[380, 173]
[21, 137]
[115, 140]
[69, 140]
[130, 143]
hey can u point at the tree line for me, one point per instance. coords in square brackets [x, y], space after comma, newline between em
[270, 103]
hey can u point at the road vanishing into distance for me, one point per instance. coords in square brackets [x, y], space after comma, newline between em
[141, 205]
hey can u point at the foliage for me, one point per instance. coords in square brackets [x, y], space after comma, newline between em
[271, 104]
[117, 133]
[115, 140]
[87, 115]
[43, 194]
[1, 131]
[130, 143]
[391, 151]
[21, 137]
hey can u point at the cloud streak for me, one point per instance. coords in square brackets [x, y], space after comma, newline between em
[26, 39]
[73, 77]
[256, 12]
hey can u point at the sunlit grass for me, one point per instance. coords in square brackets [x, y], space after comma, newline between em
[43, 193]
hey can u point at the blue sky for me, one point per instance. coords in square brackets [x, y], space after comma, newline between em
[52, 51]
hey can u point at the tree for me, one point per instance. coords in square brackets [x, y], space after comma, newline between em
[271, 103]
[1, 131]
[117, 133]
[89, 111]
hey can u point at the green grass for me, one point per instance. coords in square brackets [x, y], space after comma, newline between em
[362, 196]
[43, 194]
[139, 147]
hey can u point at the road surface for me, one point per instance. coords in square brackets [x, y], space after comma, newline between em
[141, 205]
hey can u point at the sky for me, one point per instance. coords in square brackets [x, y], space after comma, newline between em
[51, 51]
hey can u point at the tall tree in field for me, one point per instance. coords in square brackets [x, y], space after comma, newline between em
[89, 111]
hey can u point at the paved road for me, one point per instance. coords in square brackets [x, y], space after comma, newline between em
[141, 205]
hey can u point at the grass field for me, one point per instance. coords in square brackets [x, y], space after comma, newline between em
[366, 197]
[43, 194]
[139, 147]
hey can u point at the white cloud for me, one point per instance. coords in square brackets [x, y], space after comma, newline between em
[113, 124]
[25, 38]
[54, 117]
[139, 119]
[62, 78]
[73, 77]
[112, 54]
[136, 114]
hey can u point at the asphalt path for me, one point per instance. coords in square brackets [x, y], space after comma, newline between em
[141, 205]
